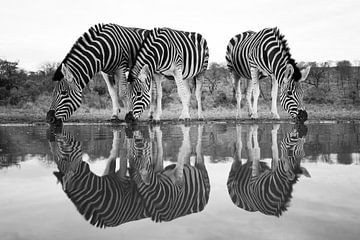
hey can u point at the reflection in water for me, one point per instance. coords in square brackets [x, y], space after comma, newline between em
[105, 201]
[176, 190]
[146, 189]
[253, 185]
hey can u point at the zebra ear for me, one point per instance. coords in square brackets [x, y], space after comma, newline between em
[288, 72]
[67, 74]
[304, 73]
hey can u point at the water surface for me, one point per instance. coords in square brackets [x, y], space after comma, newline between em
[95, 161]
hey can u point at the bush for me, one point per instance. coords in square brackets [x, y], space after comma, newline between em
[318, 95]
[221, 99]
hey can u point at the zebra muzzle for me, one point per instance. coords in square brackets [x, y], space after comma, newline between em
[129, 117]
[302, 116]
[52, 120]
[50, 117]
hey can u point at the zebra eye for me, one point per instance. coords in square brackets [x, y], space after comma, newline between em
[63, 92]
[289, 93]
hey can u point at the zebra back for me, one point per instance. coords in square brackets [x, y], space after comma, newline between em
[104, 47]
[236, 58]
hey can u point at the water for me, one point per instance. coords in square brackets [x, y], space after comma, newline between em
[323, 203]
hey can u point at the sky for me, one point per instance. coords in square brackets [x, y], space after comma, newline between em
[37, 32]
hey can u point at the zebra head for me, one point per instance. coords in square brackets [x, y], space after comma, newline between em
[140, 94]
[66, 97]
[291, 96]
[67, 154]
[292, 148]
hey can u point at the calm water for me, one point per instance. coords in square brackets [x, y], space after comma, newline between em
[220, 181]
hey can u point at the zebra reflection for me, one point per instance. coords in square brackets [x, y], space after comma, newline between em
[176, 190]
[105, 201]
[253, 186]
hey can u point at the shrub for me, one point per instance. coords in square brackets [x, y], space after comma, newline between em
[318, 95]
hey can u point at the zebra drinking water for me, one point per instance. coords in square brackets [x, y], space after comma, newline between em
[104, 48]
[177, 54]
[253, 186]
[176, 190]
[105, 201]
[252, 56]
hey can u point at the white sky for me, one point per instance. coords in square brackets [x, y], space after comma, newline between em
[40, 31]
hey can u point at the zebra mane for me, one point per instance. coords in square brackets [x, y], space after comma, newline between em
[58, 74]
[284, 47]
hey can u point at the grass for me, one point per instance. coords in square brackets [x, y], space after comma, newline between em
[33, 114]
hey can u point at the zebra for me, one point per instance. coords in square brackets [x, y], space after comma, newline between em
[106, 201]
[172, 53]
[104, 48]
[256, 55]
[176, 190]
[253, 186]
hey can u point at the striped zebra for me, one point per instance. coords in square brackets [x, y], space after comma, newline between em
[253, 186]
[104, 201]
[176, 190]
[175, 54]
[106, 48]
[253, 56]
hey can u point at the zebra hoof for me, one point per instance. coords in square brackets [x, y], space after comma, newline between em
[185, 119]
[275, 116]
[253, 116]
[201, 119]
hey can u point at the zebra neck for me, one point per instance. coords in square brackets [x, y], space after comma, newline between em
[82, 75]
[280, 72]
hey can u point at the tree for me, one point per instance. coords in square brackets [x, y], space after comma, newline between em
[215, 75]
[344, 70]
[318, 73]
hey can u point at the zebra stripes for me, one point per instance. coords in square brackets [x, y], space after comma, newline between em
[176, 190]
[105, 201]
[105, 48]
[117, 197]
[253, 186]
[252, 56]
[172, 53]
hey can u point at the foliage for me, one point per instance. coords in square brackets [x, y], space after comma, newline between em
[324, 85]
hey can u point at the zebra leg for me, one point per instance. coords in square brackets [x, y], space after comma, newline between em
[110, 167]
[123, 162]
[236, 80]
[199, 153]
[123, 88]
[237, 153]
[153, 85]
[157, 148]
[184, 154]
[199, 82]
[249, 95]
[159, 93]
[274, 146]
[112, 88]
[184, 94]
[274, 90]
[254, 92]
[254, 149]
